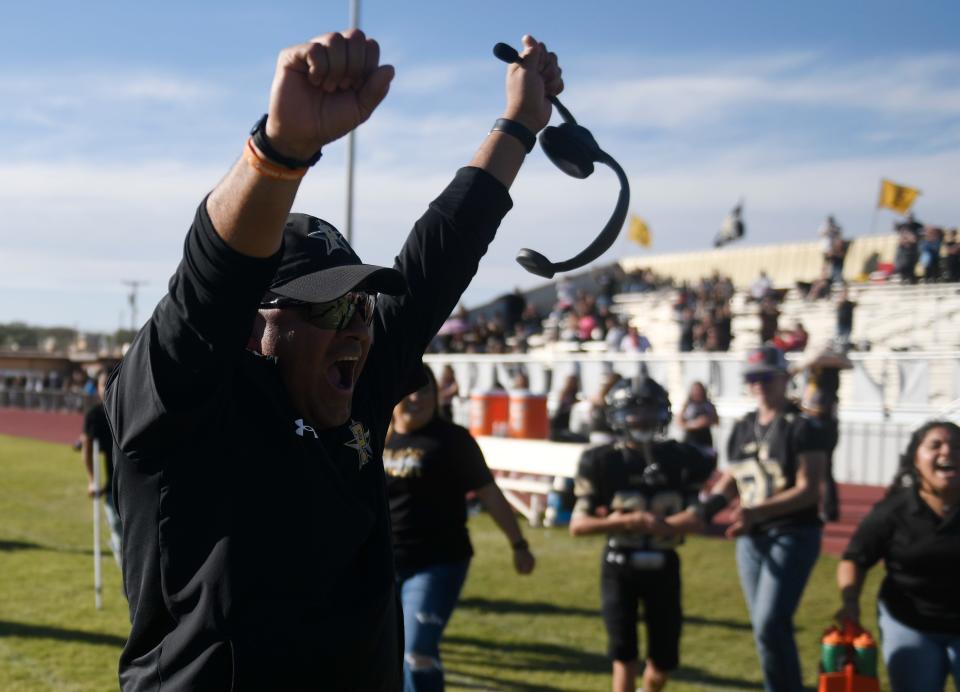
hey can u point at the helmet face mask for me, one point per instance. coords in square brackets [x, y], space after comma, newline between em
[638, 411]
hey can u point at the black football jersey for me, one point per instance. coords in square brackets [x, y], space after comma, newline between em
[617, 477]
[764, 459]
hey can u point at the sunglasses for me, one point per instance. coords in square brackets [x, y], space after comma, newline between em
[760, 377]
[334, 314]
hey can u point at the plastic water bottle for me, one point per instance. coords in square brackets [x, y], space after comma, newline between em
[833, 651]
[865, 655]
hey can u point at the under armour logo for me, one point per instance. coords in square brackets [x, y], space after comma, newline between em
[330, 236]
[301, 428]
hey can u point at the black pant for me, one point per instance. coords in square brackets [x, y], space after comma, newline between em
[622, 587]
[830, 503]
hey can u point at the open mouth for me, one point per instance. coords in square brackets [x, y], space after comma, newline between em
[945, 469]
[342, 374]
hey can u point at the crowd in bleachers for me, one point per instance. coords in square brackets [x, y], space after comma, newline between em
[931, 249]
[702, 309]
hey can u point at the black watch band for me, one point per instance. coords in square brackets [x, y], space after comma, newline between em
[515, 129]
[521, 545]
[260, 141]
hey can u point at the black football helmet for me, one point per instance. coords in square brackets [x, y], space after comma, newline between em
[638, 409]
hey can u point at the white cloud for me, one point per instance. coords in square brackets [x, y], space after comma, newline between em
[707, 92]
[74, 228]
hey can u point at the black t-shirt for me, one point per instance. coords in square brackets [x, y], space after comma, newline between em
[763, 460]
[95, 427]
[922, 555]
[256, 549]
[701, 437]
[845, 314]
[429, 472]
[617, 477]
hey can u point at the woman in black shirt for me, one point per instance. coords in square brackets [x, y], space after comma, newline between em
[431, 464]
[697, 416]
[915, 530]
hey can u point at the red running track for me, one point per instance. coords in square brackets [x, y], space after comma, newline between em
[41, 425]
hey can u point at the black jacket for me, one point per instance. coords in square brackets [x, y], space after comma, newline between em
[257, 550]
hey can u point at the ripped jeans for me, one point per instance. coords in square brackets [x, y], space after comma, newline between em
[429, 596]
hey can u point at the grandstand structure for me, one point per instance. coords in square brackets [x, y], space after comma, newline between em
[906, 363]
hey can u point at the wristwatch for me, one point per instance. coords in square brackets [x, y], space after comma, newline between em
[260, 141]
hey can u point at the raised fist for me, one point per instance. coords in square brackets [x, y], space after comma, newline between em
[322, 89]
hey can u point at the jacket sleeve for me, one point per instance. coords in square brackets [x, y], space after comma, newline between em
[181, 361]
[439, 259]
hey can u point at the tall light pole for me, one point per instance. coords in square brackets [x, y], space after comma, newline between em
[132, 300]
[351, 137]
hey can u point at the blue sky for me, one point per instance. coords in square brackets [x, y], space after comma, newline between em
[116, 118]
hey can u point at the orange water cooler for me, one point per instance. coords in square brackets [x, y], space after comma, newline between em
[489, 413]
[528, 416]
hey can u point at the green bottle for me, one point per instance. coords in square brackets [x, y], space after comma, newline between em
[833, 651]
[865, 655]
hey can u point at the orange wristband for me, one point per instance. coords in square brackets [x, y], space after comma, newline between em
[267, 168]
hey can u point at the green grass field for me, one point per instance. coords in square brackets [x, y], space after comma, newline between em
[541, 632]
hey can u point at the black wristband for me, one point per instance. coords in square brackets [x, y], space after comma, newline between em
[521, 545]
[515, 129]
[710, 507]
[260, 141]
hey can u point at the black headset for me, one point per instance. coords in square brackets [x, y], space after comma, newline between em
[573, 150]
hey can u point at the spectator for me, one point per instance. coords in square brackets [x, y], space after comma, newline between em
[775, 463]
[792, 340]
[698, 416]
[96, 429]
[634, 342]
[430, 465]
[951, 259]
[760, 288]
[687, 329]
[829, 231]
[905, 259]
[448, 391]
[845, 308]
[820, 400]
[520, 381]
[615, 333]
[930, 253]
[835, 258]
[769, 318]
[915, 531]
[560, 419]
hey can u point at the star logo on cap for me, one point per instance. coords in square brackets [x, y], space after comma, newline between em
[330, 236]
[360, 442]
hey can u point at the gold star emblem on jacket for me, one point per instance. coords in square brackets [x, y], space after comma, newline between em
[360, 442]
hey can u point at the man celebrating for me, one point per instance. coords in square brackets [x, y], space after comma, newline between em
[623, 490]
[250, 480]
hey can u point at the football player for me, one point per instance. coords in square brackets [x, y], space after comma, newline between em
[624, 490]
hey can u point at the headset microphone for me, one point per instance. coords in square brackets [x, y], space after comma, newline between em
[573, 150]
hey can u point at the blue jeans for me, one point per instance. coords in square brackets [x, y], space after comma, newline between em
[774, 568]
[428, 596]
[917, 661]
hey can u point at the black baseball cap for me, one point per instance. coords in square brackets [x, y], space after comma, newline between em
[765, 360]
[319, 265]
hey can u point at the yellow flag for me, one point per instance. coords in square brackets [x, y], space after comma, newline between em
[639, 231]
[896, 197]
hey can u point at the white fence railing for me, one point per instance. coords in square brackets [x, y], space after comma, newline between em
[883, 399]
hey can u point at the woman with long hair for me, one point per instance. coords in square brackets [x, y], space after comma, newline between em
[431, 463]
[915, 530]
